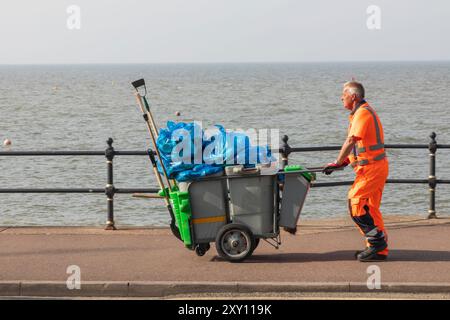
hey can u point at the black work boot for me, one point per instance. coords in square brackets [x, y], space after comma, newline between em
[358, 252]
[371, 254]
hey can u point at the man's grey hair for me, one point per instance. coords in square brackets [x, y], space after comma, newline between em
[354, 87]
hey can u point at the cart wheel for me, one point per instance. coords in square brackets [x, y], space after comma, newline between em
[202, 248]
[255, 245]
[235, 242]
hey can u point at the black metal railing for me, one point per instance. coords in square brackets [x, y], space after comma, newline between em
[432, 181]
[110, 189]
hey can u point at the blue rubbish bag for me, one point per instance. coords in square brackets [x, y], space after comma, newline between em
[189, 153]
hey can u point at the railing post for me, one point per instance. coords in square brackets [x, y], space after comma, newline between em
[109, 189]
[285, 151]
[432, 177]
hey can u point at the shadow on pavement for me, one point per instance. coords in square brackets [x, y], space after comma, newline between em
[70, 251]
[348, 255]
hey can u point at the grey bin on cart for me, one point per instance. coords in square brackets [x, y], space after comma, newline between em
[294, 194]
[208, 207]
[253, 203]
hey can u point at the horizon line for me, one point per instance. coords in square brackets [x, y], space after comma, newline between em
[221, 62]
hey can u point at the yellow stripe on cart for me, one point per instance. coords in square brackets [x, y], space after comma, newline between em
[208, 220]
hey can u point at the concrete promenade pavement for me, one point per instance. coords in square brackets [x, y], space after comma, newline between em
[153, 263]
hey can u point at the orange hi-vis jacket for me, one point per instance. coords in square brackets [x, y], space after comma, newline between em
[366, 127]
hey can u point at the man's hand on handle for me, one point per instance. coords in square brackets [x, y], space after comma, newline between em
[330, 167]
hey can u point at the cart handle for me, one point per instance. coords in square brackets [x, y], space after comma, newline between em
[317, 169]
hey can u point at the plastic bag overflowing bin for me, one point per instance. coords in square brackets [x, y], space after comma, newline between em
[235, 210]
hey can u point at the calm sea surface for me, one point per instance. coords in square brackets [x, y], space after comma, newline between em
[79, 107]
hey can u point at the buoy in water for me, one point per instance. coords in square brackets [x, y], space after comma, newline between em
[7, 142]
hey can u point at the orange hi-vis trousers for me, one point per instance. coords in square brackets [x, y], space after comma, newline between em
[364, 198]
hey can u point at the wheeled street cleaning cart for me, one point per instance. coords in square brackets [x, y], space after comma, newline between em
[234, 208]
[237, 210]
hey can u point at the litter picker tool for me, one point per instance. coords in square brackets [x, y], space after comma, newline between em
[151, 126]
[149, 120]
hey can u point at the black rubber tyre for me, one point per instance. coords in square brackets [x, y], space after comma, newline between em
[235, 242]
[202, 248]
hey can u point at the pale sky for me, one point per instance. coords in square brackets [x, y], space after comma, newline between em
[154, 31]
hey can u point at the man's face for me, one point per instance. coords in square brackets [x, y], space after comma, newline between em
[347, 99]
